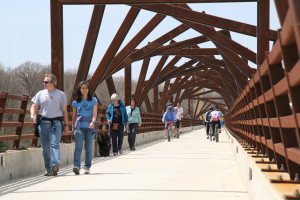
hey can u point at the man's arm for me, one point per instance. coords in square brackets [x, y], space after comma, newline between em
[33, 110]
[66, 119]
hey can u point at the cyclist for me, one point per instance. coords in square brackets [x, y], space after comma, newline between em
[168, 116]
[207, 116]
[174, 111]
[216, 117]
[179, 115]
[221, 119]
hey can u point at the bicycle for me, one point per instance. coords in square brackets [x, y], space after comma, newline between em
[170, 131]
[210, 131]
[217, 133]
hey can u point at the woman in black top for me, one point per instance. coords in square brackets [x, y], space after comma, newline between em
[116, 118]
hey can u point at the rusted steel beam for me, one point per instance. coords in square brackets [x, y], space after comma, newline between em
[236, 60]
[208, 60]
[170, 92]
[21, 119]
[166, 69]
[227, 76]
[127, 84]
[177, 71]
[148, 104]
[179, 45]
[235, 72]
[223, 40]
[141, 81]
[57, 54]
[263, 33]
[189, 108]
[155, 99]
[153, 77]
[152, 46]
[294, 9]
[177, 97]
[203, 93]
[110, 85]
[113, 48]
[204, 106]
[133, 2]
[192, 52]
[134, 42]
[3, 100]
[163, 96]
[89, 46]
[282, 8]
[194, 115]
[205, 19]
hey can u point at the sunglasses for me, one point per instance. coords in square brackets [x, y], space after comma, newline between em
[46, 82]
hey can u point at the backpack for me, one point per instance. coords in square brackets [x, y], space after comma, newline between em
[208, 116]
[215, 117]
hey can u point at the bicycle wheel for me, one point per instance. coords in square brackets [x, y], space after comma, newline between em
[217, 133]
[169, 132]
[210, 132]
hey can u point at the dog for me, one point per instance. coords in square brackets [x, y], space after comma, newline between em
[103, 140]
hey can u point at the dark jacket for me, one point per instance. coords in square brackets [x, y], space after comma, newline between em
[110, 113]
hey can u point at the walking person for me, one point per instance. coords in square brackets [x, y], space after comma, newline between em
[52, 104]
[116, 118]
[135, 121]
[84, 126]
[179, 115]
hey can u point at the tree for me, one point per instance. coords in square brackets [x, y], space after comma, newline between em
[30, 75]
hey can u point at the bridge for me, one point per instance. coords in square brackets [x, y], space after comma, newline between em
[261, 105]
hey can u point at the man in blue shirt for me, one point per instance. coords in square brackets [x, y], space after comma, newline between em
[169, 116]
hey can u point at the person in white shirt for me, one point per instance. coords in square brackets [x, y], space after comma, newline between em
[179, 115]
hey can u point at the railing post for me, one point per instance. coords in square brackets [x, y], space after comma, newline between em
[3, 100]
[21, 119]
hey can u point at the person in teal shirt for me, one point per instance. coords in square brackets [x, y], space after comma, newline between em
[135, 121]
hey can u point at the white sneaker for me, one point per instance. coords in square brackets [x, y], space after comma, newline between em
[87, 171]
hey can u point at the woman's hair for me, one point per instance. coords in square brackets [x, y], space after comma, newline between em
[78, 96]
[114, 96]
[132, 99]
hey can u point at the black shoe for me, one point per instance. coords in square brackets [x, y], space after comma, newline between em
[76, 170]
[54, 170]
[207, 137]
[120, 151]
[133, 149]
[115, 154]
[214, 138]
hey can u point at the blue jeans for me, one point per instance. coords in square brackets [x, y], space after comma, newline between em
[84, 134]
[117, 138]
[50, 138]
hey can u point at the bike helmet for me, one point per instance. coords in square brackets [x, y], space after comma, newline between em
[169, 108]
[210, 108]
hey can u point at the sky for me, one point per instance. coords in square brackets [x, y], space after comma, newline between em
[25, 30]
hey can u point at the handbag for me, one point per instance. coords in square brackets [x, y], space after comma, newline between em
[115, 126]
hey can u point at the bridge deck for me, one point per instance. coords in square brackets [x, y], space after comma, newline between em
[189, 168]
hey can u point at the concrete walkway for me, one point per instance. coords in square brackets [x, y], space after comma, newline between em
[190, 168]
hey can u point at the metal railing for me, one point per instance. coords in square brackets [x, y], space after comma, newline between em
[21, 120]
[266, 116]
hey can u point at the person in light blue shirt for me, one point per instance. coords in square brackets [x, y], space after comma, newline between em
[168, 116]
[84, 127]
[135, 121]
